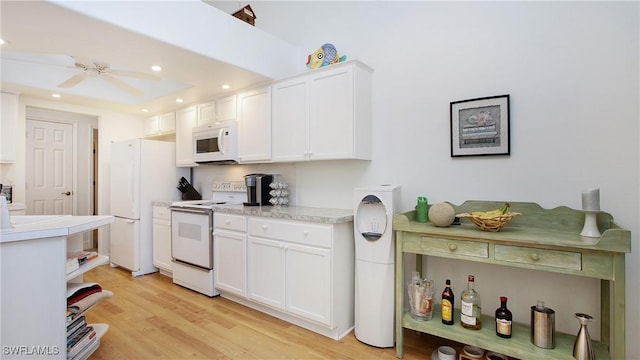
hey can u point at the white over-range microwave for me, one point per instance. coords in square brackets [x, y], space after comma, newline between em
[216, 142]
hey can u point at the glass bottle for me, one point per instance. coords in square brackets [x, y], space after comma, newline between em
[448, 299]
[470, 308]
[503, 319]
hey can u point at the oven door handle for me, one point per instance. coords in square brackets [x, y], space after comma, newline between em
[191, 210]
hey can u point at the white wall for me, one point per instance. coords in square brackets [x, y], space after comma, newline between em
[571, 69]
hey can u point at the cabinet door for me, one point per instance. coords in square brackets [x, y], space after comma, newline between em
[290, 120]
[8, 120]
[162, 244]
[206, 113]
[185, 121]
[226, 108]
[151, 125]
[266, 271]
[331, 114]
[254, 125]
[167, 123]
[229, 254]
[308, 282]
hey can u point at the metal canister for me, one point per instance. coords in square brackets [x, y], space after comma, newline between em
[543, 326]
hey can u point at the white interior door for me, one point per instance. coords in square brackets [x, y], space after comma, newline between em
[49, 173]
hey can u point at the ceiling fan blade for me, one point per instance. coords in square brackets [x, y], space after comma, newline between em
[134, 74]
[122, 85]
[72, 81]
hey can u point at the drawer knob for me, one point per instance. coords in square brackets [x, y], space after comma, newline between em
[305, 232]
[535, 257]
[227, 222]
[453, 247]
[264, 227]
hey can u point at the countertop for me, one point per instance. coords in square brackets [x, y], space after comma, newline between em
[29, 227]
[297, 213]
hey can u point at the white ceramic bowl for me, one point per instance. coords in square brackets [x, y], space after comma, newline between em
[446, 353]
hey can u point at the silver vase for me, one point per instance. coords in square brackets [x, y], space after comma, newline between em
[582, 349]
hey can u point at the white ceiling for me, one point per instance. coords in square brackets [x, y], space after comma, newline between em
[42, 38]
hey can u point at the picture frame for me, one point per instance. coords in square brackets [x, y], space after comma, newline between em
[480, 126]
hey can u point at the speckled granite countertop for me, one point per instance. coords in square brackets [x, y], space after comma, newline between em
[297, 213]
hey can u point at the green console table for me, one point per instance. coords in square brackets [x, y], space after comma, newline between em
[541, 239]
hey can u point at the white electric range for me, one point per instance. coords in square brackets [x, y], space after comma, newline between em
[192, 236]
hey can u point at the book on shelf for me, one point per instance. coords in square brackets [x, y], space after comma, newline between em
[75, 327]
[80, 341]
[88, 350]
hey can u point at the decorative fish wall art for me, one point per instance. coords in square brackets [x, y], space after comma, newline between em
[324, 56]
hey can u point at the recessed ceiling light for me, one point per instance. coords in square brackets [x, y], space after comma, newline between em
[226, 86]
[57, 96]
[178, 100]
[145, 110]
[156, 68]
[2, 42]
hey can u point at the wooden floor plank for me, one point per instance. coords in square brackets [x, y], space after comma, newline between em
[149, 317]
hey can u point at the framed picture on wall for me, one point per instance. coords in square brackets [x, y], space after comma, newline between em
[480, 126]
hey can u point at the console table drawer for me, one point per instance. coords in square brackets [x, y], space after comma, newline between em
[455, 247]
[542, 257]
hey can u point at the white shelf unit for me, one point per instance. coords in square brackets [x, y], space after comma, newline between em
[34, 324]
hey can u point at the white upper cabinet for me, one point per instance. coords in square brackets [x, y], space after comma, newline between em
[206, 113]
[254, 125]
[290, 120]
[226, 108]
[8, 120]
[160, 125]
[324, 114]
[185, 121]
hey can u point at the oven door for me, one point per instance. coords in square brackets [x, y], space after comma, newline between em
[192, 237]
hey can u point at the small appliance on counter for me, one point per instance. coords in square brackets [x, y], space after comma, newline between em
[258, 189]
[187, 190]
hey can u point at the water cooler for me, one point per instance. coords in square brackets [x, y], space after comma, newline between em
[375, 263]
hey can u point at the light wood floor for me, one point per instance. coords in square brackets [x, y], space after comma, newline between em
[149, 317]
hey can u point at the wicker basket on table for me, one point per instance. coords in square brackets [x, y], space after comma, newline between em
[494, 223]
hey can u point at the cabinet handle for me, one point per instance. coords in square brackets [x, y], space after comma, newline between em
[264, 227]
[535, 257]
[227, 221]
[453, 247]
[305, 232]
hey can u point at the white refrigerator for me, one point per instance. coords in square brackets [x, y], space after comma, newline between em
[142, 171]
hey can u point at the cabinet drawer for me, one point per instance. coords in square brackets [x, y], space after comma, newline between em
[540, 257]
[161, 212]
[455, 247]
[297, 232]
[229, 222]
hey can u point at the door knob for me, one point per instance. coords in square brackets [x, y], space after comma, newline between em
[66, 193]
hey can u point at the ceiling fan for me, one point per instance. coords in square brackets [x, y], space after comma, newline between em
[104, 71]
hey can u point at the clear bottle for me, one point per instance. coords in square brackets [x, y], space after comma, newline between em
[470, 308]
[448, 300]
[503, 319]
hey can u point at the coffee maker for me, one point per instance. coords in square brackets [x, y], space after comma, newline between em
[258, 189]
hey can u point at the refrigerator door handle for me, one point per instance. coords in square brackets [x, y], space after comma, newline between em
[130, 194]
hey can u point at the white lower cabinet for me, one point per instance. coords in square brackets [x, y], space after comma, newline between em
[162, 239]
[229, 253]
[308, 293]
[266, 271]
[302, 272]
[280, 276]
